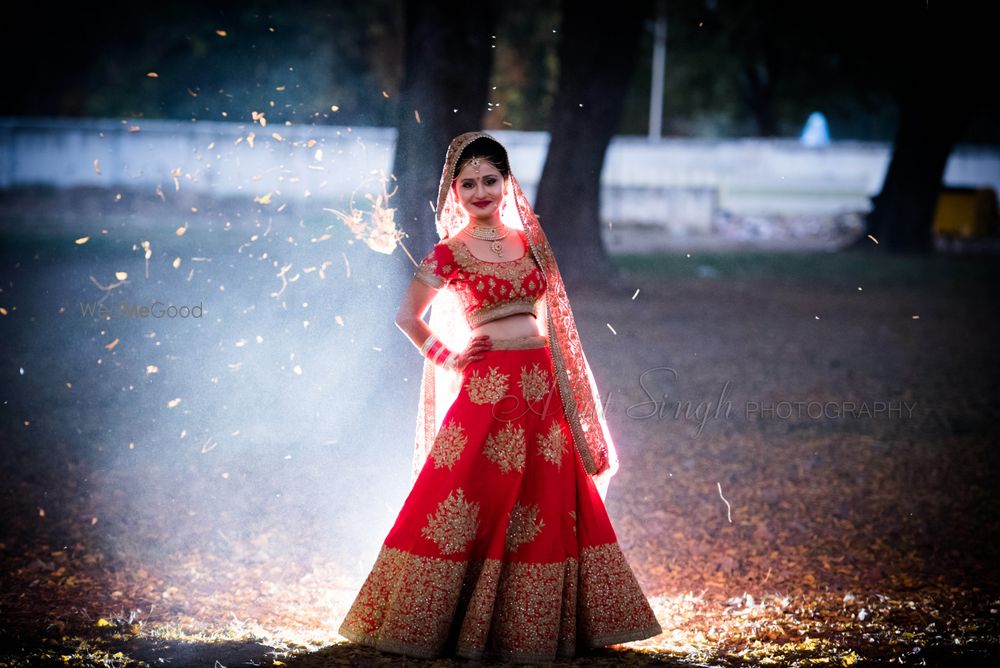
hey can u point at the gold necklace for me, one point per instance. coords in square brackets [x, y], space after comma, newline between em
[492, 234]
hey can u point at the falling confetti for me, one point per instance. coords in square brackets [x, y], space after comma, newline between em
[729, 510]
[380, 233]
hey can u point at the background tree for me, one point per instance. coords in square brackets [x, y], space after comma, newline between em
[945, 79]
[447, 58]
[597, 54]
[302, 56]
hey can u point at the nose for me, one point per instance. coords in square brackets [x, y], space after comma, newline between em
[480, 190]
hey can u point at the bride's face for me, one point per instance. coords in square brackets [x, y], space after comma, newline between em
[480, 190]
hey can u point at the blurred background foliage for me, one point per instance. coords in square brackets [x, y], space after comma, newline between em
[734, 69]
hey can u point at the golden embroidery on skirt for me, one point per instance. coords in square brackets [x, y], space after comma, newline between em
[406, 602]
[507, 448]
[455, 523]
[613, 603]
[521, 611]
[479, 594]
[552, 446]
[520, 343]
[572, 513]
[488, 389]
[534, 382]
[449, 444]
[524, 525]
[535, 613]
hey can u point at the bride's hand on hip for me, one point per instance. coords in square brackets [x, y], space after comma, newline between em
[473, 352]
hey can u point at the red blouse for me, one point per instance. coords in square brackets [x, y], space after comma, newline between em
[488, 290]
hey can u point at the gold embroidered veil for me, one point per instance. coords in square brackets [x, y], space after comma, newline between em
[577, 389]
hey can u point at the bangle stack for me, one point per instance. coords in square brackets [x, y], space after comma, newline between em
[436, 352]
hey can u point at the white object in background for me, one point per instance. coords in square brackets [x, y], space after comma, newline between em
[816, 133]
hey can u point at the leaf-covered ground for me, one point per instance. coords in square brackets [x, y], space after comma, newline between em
[808, 445]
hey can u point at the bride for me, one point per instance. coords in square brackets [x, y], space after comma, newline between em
[503, 547]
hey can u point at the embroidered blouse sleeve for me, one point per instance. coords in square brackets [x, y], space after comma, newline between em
[438, 267]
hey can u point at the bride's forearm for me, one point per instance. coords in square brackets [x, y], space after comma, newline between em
[415, 329]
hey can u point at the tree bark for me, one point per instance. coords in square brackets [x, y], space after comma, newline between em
[942, 82]
[597, 53]
[447, 61]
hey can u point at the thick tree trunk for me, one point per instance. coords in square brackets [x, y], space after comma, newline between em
[941, 84]
[903, 215]
[597, 52]
[447, 61]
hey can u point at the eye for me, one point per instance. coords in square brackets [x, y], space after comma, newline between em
[490, 181]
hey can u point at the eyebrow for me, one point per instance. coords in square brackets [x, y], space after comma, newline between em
[487, 176]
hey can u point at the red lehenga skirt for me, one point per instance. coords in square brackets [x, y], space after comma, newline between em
[503, 548]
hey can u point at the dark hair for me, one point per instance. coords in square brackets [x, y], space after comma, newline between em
[486, 148]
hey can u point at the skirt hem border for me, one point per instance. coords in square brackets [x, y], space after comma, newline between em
[475, 653]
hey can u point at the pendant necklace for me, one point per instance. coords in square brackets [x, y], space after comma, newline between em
[492, 234]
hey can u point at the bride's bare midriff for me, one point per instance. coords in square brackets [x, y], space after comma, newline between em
[509, 327]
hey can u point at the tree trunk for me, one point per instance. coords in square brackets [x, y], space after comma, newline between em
[941, 86]
[903, 215]
[597, 52]
[447, 61]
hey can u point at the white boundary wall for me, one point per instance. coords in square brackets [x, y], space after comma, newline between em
[675, 183]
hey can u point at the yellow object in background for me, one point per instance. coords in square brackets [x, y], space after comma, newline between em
[966, 213]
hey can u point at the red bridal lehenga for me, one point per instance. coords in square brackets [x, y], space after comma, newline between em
[503, 547]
